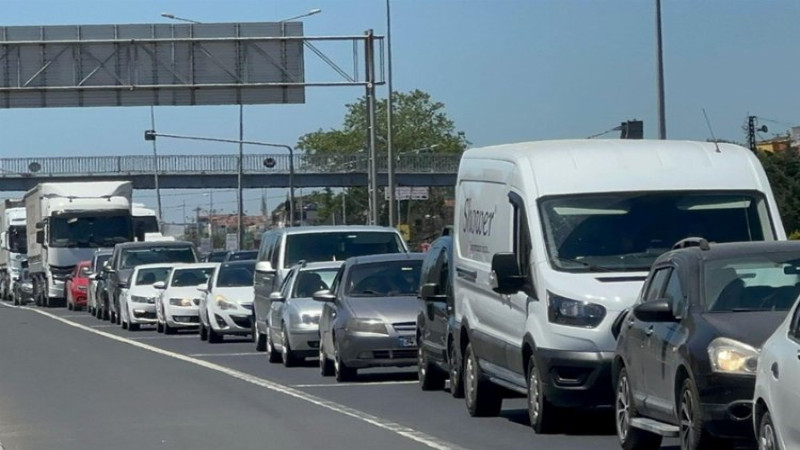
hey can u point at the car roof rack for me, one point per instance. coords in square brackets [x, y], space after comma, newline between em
[692, 242]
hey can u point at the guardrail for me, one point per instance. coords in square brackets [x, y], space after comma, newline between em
[219, 164]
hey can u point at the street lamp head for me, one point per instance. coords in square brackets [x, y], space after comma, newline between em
[314, 11]
[168, 15]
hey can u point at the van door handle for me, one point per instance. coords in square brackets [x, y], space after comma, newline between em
[649, 331]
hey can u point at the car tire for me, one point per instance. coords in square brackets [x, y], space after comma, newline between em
[168, 329]
[630, 437]
[544, 416]
[692, 434]
[123, 324]
[133, 326]
[340, 369]
[213, 336]
[273, 355]
[325, 364]
[260, 340]
[456, 371]
[767, 437]
[70, 307]
[159, 327]
[430, 377]
[289, 357]
[480, 395]
[203, 332]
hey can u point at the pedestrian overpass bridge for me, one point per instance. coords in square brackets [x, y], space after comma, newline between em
[221, 171]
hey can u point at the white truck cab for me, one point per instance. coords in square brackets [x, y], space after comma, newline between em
[553, 240]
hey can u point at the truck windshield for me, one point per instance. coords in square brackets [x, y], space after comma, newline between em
[338, 246]
[628, 231]
[17, 239]
[155, 255]
[90, 231]
[144, 224]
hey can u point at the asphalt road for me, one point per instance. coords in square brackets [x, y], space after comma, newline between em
[70, 381]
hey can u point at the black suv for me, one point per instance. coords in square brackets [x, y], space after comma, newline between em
[686, 356]
[438, 356]
[127, 256]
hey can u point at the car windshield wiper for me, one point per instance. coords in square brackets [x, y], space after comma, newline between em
[588, 265]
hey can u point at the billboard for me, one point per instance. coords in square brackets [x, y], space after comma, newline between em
[151, 64]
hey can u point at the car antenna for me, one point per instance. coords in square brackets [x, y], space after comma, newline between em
[711, 130]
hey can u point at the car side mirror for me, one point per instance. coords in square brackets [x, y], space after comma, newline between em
[264, 267]
[659, 310]
[505, 277]
[159, 285]
[203, 288]
[324, 295]
[92, 276]
[429, 293]
[277, 297]
[40, 236]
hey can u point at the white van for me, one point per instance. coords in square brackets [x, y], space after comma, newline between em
[554, 239]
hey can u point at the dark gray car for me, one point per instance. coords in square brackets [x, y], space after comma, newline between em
[370, 315]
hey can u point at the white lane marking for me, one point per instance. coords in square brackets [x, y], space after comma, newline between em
[407, 432]
[152, 338]
[207, 355]
[90, 326]
[366, 383]
[88, 316]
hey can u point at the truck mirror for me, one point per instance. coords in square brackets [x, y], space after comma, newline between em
[40, 236]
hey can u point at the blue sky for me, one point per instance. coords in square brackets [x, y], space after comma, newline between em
[507, 71]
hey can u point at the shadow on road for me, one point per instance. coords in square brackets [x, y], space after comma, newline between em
[575, 422]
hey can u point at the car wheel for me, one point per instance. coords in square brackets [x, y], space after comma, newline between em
[340, 369]
[260, 340]
[213, 336]
[693, 435]
[542, 414]
[456, 371]
[69, 305]
[767, 439]
[159, 327]
[481, 396]
[272, 355]
[430, 377]
[133, 326]
[168, 329]
[630, 438]
[289, 357]
[203, 332]
[123, 324]
[325, 364]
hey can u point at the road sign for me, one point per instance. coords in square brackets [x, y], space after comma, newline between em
[405, 230]
[409, 193]
[230, 241]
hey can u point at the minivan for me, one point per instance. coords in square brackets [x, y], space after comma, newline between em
[282, 248]
[554, 239]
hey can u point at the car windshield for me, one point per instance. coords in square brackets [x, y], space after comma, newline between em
[191, 277]
[151, 275]
[90, 231]
[100, 260]
[385, 278]
[244, 255]
[236, 275]
[338, 246]
[216, 256]
[756, 282]
[313, 280]
[628, 231]
[153, 255]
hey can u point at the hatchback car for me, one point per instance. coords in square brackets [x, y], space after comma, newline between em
[293, 322]
[777, 396]
[138, 302]
[94, 295]
[226, 303]
[369, 315]
[686, 357]
[77, 285]
[177, 304]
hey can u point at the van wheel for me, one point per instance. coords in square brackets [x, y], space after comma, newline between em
[693, 435]
[456, 371]
[630, 438]
[430, 377]
[543, 414]
[481, 396]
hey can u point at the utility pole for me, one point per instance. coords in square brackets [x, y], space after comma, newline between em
[751, 132]
[662, 121]
[369, 53]
[390, 185]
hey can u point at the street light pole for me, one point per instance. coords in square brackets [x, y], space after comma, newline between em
[389, 113]
[310, 13]
[370, 86]
[174, 17]
[239, 199]
[155, 171]
[662, 121]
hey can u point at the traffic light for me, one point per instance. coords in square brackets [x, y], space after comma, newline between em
[632, 129]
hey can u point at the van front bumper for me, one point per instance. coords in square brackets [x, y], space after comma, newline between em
[576, 379]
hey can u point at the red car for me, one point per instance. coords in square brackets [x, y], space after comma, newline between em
[77, 284]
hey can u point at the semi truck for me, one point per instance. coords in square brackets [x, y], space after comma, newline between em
[13, 245]
[67, 223]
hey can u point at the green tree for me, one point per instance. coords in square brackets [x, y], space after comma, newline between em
[419, 123]
[783, 172]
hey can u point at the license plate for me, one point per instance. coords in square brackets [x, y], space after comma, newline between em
[408, 341]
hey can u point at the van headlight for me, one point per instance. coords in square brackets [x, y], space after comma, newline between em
[731, 356]
[576, 313]
[358, 325]
[223, 303]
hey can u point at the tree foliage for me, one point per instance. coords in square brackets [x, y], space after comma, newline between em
[419, 124]
[783, 172]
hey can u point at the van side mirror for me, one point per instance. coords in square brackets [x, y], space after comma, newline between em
[265, 267]
[159, 285]
[505, 277]
[277, 297]
[429, 293]
[324, 296]
[40, 236]
[659, 310]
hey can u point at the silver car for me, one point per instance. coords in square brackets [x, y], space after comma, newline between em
[293, 322]
[369, 315]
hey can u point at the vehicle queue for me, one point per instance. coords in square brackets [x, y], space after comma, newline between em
[652, 291]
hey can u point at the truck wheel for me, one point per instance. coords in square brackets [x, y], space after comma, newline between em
[481, 396]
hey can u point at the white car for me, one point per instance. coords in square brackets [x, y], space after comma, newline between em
[777, 394]
[226, 304]
[177, 305]
[138, 303]
[293, 322]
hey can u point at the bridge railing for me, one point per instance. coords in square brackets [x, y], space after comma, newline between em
[219, 164]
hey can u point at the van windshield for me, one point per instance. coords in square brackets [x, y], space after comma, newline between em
[338, 246]
[628, 231]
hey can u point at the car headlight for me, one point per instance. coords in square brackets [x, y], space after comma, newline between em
[731, 356]
[180, 301]
[575, 313]
[141, 299]
[223, 303]
[376, 326]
